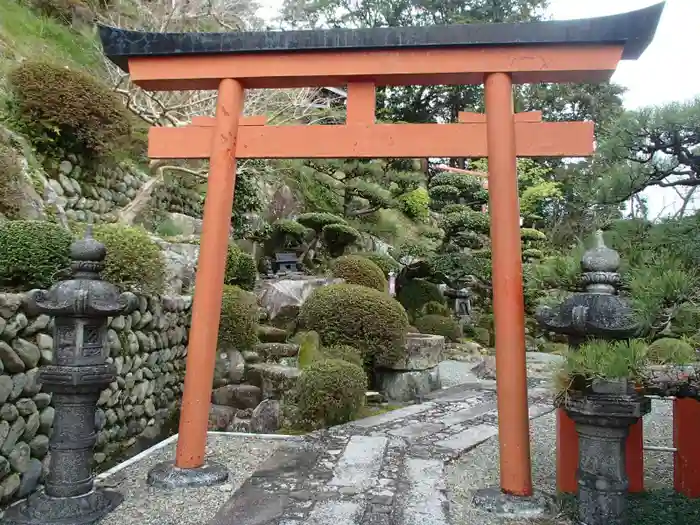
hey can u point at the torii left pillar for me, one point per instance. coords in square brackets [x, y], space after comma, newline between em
[189, 468]
[508, 303]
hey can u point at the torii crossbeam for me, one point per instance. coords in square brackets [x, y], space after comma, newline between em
[497, 55]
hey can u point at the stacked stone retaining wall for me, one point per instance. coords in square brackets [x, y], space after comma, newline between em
[148, 349]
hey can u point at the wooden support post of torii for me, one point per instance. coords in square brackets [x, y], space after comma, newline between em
[496, 55]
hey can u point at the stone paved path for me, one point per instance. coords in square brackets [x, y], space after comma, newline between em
[388, 469]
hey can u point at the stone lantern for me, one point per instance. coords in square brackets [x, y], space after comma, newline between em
[79, 372]
[598, 312]
[604, 412]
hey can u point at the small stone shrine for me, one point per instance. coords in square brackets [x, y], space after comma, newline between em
[80, 306]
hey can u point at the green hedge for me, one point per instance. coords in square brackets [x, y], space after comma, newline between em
[330, 392]
[32, 253]
[416, 293]
[439, 325]
[386, 262]
[345, 352]
[134, 261]
[239, 318]
[362, 317]
[241, 269]
[64, 109]
[359, 270]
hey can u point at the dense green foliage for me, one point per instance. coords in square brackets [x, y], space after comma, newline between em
[241, 269]
[239, 317]
[355, 315]
[330, 392]
[134, 261]
[345, 352]
[439, 325]
[356, 269]
[415, 294]
[32, 253]
[386, 262]
[64, 109]
[337, 237]
[10, 179]
[671, 351]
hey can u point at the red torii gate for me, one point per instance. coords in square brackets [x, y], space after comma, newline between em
[496, 55]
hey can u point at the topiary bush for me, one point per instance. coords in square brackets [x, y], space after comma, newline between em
[241, 269]
[345, 352]
[414, 204]
[330, 392]
[60, 108]
[359, 270]
[134, 261]
[671, 351]
[367, 319]
[286, 234]
[32, 253]
[337, 237]
[239, 318]
[319, 220]
[385, 261]
[416, 293]
[439, 325]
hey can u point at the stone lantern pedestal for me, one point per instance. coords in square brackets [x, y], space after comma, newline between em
[603, 417]
[79, 372]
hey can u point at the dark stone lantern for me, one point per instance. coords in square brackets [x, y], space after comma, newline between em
[606, 409]
[598, 312]
[79, 372]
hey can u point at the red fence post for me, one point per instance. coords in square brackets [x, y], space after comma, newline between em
[686, 429]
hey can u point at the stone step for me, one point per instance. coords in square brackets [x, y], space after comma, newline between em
[270, 334]
[276, 351]
[273, 379]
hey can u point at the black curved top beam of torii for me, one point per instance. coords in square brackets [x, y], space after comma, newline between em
[633, 30]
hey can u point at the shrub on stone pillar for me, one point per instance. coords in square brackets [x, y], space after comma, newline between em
[79, 372]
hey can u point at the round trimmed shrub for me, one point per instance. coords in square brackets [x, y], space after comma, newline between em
[67, 109]
[439, 325]
[345, 352]
[367, 319]
[241, 269]
[385, 261]
[330, 392]
[239, 318]
[416, 293]
[134, 261]
[671, 351]
[359, 270]
[32, 253]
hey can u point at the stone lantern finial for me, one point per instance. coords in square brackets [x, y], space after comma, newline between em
[600, 265]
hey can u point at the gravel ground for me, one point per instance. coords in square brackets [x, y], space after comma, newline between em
[147, 506]
[453, 373]
[479, 468]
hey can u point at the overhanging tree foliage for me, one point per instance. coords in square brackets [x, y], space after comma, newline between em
[656, 146]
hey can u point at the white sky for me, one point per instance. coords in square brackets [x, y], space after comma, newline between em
[668, 71]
